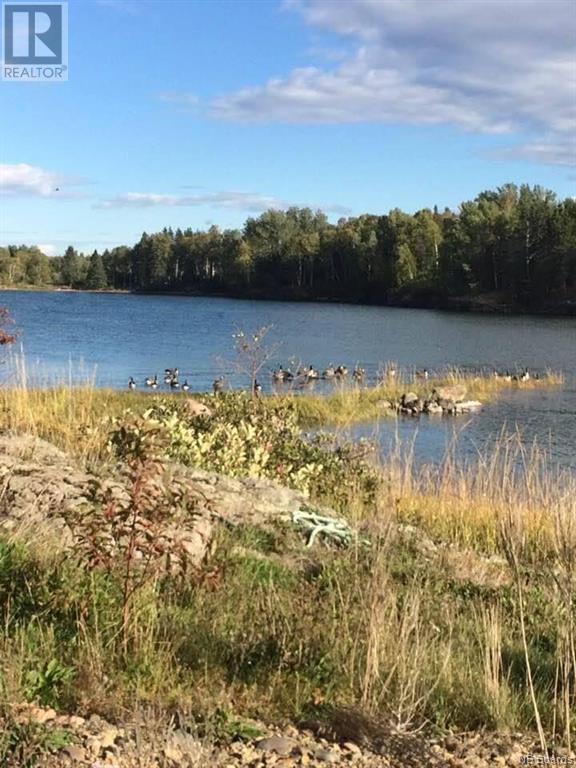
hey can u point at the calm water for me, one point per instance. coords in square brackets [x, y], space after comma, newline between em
[107, 338]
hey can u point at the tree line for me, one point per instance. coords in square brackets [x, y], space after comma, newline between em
[517, 242]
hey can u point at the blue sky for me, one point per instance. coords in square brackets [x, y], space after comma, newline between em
[186, 113]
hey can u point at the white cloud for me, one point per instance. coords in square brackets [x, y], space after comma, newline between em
[24, 180]
[243, 200]
[551, 153]
[486, 66]
[48, 248]
[246, 201]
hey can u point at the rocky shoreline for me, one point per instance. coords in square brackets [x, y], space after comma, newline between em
[96, 743]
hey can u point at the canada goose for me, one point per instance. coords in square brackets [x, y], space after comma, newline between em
[131, 383]
[218, 385]
[174, 384]
[154, 384]
[525, 375]
[329, 373]
[257, 388]
[311, 373]
[423, 374]
[341, 370]
[185, 386]
[151, 381]
[358, 373]
[279, 374]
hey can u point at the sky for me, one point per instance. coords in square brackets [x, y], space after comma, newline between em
[188, 113]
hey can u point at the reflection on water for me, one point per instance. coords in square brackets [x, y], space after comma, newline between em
[107, 338]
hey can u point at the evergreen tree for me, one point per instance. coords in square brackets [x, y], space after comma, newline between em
[96, 279]
[71, 268]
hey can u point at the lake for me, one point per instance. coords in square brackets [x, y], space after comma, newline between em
[106, 338]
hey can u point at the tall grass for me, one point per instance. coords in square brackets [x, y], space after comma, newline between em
[467, 623]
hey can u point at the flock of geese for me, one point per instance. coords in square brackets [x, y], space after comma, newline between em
[171, 380]
[303, 375]
[310, 373]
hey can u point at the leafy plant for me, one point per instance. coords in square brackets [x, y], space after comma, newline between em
[44, 684]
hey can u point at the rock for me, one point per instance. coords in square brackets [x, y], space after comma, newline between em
[327, 756]
[183, 744]
[74, 721]
[108, 737]
[279, 744]
[466, 406]
[94, 745]
[350, 746]
[408, 399]
[41, 716]
[454, 394]
[38, 486]
[173, 753]
[74, 753]
[432, 407]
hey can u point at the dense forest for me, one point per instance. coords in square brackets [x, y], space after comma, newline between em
[514, 246]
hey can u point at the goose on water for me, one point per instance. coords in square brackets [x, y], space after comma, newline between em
[330, 372]
[311, 373]
[185, 386]
[131, 383]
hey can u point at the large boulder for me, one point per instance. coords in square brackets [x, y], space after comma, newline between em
[41, 489]
[39, 486]
[449, 394]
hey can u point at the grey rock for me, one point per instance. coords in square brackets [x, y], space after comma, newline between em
[74, 753]
[279, 744]
[454, 394]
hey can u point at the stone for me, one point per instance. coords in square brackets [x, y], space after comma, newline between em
[327, 756]
[432, 407]
[94, 745]
[279, 744]
[454, 394]
[467, 406]
[173, 753]
[38, 486]
[74, 753]
[352, 747]
[41, 716]
[108, 737]
[408, 399]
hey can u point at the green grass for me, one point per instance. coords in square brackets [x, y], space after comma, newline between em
[268, 628]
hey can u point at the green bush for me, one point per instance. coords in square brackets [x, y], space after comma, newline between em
[248, 437]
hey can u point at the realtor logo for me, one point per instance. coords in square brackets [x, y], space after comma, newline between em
[35, 37]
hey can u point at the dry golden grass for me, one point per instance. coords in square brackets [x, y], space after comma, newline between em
[383, 629]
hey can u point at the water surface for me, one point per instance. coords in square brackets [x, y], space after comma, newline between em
[109, 337]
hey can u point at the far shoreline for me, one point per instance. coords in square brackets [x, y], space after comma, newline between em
[480, 305]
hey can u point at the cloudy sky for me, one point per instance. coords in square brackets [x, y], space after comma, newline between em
[191, 113]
